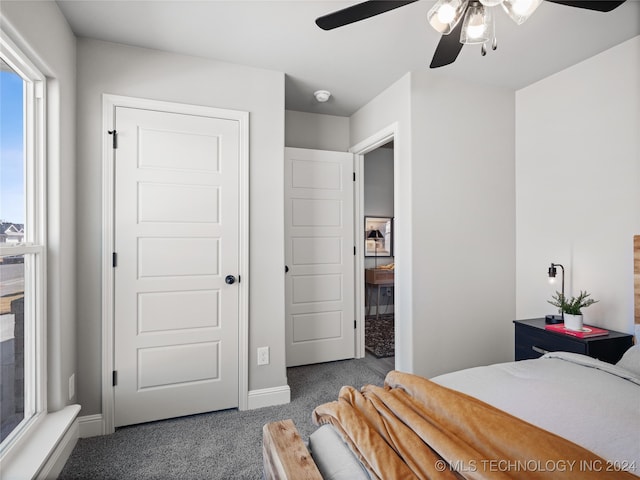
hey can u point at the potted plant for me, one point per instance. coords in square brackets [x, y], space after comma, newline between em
[571, 309]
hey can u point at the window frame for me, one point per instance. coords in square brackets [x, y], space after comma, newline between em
[34, 245]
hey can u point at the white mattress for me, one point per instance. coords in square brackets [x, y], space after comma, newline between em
[592, 403]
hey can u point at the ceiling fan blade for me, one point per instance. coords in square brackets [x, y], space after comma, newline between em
[598, 5]
[358, 12]
[448, 48]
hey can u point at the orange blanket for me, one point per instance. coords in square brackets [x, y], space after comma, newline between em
[414, 428]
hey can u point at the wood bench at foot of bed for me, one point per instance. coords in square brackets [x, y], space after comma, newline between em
[285, 456]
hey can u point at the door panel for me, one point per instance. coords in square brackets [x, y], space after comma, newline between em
[176, 236]
[178, 203]
[319, 254]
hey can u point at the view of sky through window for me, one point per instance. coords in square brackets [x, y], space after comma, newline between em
[12, 200]
[12, 268]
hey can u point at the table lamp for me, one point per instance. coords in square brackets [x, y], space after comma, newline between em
[375, 235]
[552, 277]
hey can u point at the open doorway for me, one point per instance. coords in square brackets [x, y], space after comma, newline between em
[379, 267]
[383, 147]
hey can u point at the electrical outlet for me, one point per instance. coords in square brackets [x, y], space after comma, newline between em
[72, 385]
[263, 355]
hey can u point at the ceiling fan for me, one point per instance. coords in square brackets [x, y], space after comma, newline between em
[459, 21]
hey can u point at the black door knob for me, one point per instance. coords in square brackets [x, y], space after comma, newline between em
[229, 279]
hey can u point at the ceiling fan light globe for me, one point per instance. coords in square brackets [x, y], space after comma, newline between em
[478, 26]
[520, 10]
[445, 15]
[476, 30]
[491, 3]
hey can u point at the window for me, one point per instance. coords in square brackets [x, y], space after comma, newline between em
[22, 249]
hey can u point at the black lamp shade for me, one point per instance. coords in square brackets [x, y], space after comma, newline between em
[375, 234]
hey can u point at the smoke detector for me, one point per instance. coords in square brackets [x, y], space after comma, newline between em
[322, 95]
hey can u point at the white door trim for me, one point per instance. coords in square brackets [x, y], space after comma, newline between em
[109, 104]
[359, 150]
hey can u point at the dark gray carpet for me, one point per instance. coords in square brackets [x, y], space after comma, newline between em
[379, 336]
[220, 445]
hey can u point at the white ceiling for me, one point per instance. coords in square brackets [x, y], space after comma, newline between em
[358, 61]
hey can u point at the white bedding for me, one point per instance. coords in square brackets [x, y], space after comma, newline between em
[592, 403]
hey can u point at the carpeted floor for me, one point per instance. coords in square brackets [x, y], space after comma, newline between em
[379, 336]
[221, 445]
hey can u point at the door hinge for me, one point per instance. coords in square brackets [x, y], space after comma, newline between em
[114, 378]
[355, 324]
[114, 135]
[354, 176]
[114, 259]
[354, 249]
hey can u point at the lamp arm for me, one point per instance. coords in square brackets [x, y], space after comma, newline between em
[563, 297]
[552, 274]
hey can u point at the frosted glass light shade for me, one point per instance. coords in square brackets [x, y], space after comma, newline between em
[445, 15]
[520, 10]
[491, 3]
[478, 26]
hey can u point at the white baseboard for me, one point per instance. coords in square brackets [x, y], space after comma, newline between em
[90, 426]
[267, 397]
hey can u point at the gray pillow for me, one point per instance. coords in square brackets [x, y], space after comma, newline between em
[631, 360]
[334, 457]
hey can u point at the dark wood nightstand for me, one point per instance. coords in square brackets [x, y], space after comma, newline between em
[532, 341]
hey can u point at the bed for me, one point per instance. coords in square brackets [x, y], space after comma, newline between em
[565, 416]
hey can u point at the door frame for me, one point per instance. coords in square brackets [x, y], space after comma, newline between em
[359, 150]
[109, 104]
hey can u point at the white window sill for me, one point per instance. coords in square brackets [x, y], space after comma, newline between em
[43, 451]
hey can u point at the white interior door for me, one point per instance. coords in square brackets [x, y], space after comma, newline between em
[319, 254]
[176, 239]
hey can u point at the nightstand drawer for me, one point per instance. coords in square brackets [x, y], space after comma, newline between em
[531, 343]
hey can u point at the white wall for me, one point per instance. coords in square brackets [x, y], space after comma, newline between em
[378, 182]
[578, 185]
[316, 131]
[463, 223]
[393, 106]
[121, 70]
[378, 191]
[54, 55]
[455, 226]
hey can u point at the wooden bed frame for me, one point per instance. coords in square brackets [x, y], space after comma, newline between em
[285, 455]
[636, 277]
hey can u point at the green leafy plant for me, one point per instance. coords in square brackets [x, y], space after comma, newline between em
[574, 305]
